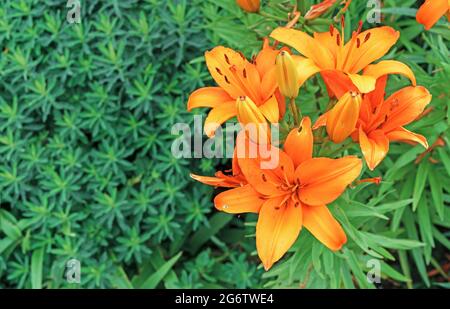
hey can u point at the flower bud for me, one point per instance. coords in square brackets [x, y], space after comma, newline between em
[341, 120]
[252, 119]
[251, 6]
[287, 75]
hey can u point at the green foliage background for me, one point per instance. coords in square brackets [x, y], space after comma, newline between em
[86, 169]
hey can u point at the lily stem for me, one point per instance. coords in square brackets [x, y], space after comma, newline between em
[294, 112]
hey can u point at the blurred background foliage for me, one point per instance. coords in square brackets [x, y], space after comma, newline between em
[86, 169]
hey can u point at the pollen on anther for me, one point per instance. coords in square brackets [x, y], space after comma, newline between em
[367, 37]
[244, 72]
[358, 42]
[331, 30]
[338, 39]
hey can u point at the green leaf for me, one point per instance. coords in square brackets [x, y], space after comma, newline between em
[121, 280]
[387, 207]
[217, 222]
[317, 250]
[346, 276]
[416, 253]
[9, 228]
[394, 243]
[410, 12]
[37, 260]
[404, 264]
[441, 238]
[419, 185]
[436, 193]
[153, 281]
[393, 273]
[357, 270]
[445, 158]
[424, 220]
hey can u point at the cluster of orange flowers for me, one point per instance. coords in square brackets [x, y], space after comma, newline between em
[295, 193]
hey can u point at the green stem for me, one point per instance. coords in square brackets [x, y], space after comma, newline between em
[294, 111]
[341, 149]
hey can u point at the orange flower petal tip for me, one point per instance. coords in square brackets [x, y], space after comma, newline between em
[250, 6]
[431, 11]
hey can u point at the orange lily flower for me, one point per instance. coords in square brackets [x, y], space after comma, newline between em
[251, 6]
[237, 77]
[382, 121]
[431, 11]
[328, 53]
[292, 194]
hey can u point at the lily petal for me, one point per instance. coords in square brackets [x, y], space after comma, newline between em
[338, 83]
[208, 97]
[321, 223]
[265, 60]
[328, 40]
[376, 97]
[374, 147]
[299, 142]
[375, 43]
[405, 106]
[225, 182]
[277, 230]
[219, 115]
[270, 109]
[219, 61]
[401, 134]
[364, 83]
[269, 83]
[431, 11]
[321, 121]
[323, 180]
[305, 69]
[305, 45]
[239, 200]
[386, 67]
